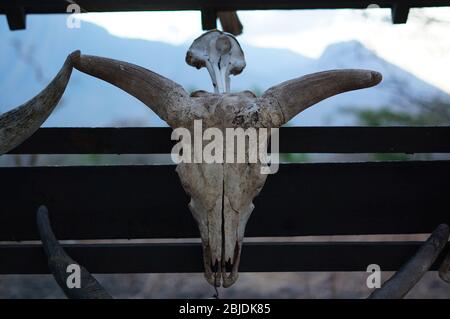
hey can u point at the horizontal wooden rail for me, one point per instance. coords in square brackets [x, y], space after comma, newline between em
[59, 6]
[292, 140]
[104, 202]
[185, 258]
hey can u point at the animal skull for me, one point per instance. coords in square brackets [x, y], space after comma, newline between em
[221, 194]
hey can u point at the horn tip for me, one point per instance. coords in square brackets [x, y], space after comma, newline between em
[75, 56]
[376, 77]
[42, 208]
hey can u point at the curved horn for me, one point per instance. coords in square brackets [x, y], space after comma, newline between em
[296, 95]
[411, 272]
[444, 270]
[166, 98]
[20, 123]
[58, 261]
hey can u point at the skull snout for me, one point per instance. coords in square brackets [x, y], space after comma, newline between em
[222, 244]
[221, 272]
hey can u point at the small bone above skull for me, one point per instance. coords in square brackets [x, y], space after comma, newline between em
[221, 54]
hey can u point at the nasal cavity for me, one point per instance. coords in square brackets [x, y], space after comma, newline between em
[215, 266]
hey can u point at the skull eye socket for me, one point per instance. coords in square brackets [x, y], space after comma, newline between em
[237, 69]
[191, 60]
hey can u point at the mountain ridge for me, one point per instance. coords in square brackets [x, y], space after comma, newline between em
[31, 58]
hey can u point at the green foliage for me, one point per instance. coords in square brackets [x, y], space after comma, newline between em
[257, 90]
[382, 117]
[418, 113]
[388, 117]
[294, 158]
[190, 89]
[391, 157]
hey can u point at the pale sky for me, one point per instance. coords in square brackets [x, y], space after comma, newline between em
[421, 48]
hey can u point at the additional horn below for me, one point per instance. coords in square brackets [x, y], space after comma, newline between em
[444, 270]
[58, 261]
[411, 272]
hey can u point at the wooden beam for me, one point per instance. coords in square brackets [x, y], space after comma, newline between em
[59, 6]
[400, 13]
[16, 18]
[122, 202]
[209, 8]
[187, 258]
[209, 19]
[292, 140]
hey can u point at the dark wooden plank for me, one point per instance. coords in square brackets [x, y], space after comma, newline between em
[16, 18]
[187, 258]
[301, 199]
[292, 140]
[365, 140]
[98, 141]
[59, 6]
[400, 13]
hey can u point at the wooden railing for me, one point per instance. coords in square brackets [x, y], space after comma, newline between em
[147, 201]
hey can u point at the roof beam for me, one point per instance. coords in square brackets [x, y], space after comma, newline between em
[17, 9]
[60, 6]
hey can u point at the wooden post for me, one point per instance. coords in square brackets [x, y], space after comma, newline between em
[209, 19]
[399, 13]
[16, 18]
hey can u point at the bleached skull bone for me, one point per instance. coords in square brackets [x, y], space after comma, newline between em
[221, 54]
[221, 194]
